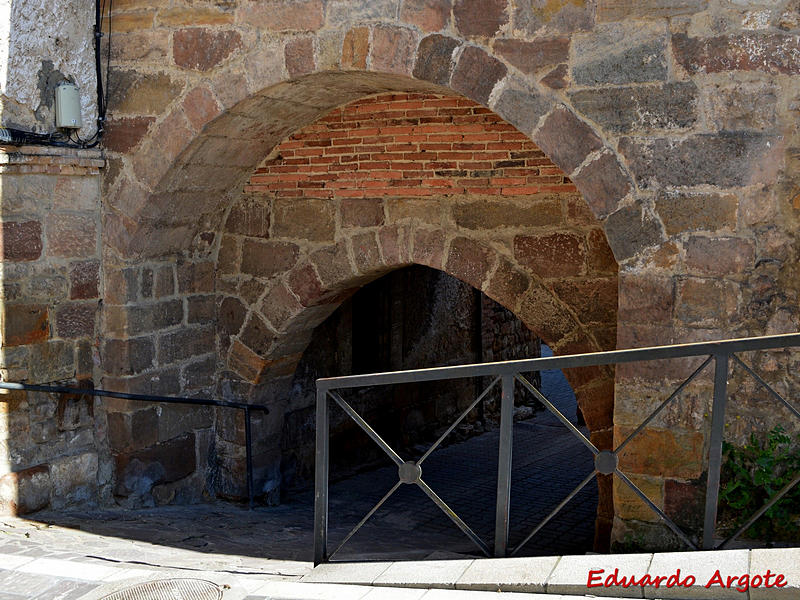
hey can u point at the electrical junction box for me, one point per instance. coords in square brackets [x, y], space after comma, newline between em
[68, 106]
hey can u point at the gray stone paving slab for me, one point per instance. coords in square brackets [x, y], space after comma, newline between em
[312, 591]
[571, 574]
[702, 566]
[363, 573]
[385, 593]
[424, 574]
[785, 561]
[526, 574]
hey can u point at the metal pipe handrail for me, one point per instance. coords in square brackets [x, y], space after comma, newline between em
[91, 391]
[606, 461]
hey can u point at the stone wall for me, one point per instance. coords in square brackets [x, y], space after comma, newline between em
[54, 446]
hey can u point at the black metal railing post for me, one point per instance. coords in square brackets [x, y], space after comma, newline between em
[715, 447]
[504, 466]
[321, 478]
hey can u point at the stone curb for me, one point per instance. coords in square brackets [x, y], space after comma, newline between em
[729, 574]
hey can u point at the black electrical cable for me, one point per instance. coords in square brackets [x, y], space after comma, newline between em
[18, 137]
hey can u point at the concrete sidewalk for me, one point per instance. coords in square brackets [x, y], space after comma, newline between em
[39, 562]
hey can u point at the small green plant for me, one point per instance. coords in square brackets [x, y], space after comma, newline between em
[751, 475]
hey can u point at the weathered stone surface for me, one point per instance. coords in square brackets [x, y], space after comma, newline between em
[626, 109]
[469, 261]
[621, 53]
[284, 15]
[138, 94]
[566, 139]
[200, 309]
[144, 318]
[299, 55]
[231, 315]
[361, 212]
[551, 255]
[646, 298]
[249, 216]
[531, 57]
[522, 108]
[480, 18]
[185, 343]
[684, 502]
[600, 257]
[593, 300]
[200, 107]
[428, 15]
[476, 74]
[175, 420]
[125, 133]
[21, 240]
[744, 106]
[366, 253]
[682, 212]
[435, 59]
[74, 478]
[662, 453]
[561, 16]
[707, 302]
[71, 235]
[257, 335]
[542, 212]
[726, 159]
[267, 258]
[76, 319]
[308, 219]
[280, 306]
[139, 471]
[545, 315]
[507, 285]
[719, 256]
[203, 49]
[341, 12]
[245, 363]
[333, 264]
[632, 229]
[393, 49]
[305, 284]
[619, 10]
[750, 51]
[25, 324]
[84, 280]
[129, 356]
[355, 48]
[628, 505]
[557, 79]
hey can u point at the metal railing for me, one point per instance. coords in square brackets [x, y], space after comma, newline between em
[606, 462]
[247, 408]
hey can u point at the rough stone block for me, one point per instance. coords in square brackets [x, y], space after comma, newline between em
[310, 219]
[202, 49]
[619, 10]
[631, 230]
[280, 306]
[140, 470]
[593, 300]
[74, 478]
[682, 212]
[544, 211]
[53, 360]
[646, 298]
[76, 319]
[284, 15]
[175, 420]
[249, 216]
[393, 49]
[257, 335]
[71, 235]
[343, 12]
[469, 261]
[480, 18]
[726, 159]
[355, 48]
[201, 309]
[84, 280]
[708, 303]
[435, 59]
[125, 133]
[531, 57]
[741, 106]
[562, 16]
[25, 491]
[267, 258]
[428, 15]
[185, 343]
[566, 139]
[522, 108]
[476, 74]
[749, 51]
[663, 453]
[135, 93]
[21, 240]
[299, 56]
[129, 356]
[552, 255]
[719, 256]
[25, 324]
[628, 505]
[633, 52]
[626, 109]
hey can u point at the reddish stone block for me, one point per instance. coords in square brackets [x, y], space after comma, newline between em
[355, 48]
[469, 261]
[480, 18]
[428, 248]
[557, 79]
[600, 257]
[393, 50]
[245, 363]
[306, 285]
[366, 253]
[285, 15]
[200, 107]
[231, 315]
[257, 335]
[299, 56]
[71, 235]
[647, 299]
[76, 320]
[280, 306]
[566, 139]
[596, 402]
[195, 277]
[268, 258]
[428, 15]
[508, 284]
[719, 256]
[435, 59]
[123, 134]
[25, 324]
[84, 280]
[333, 264]
[476, 74]
[20, 240]
[25, 491]
[554, 255]
[202, 49]
[392, 246]
[603, 183]
[751, 51]
[530, 57]
[593, 300]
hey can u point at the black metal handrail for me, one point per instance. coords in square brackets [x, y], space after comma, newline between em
[606, 461]
[90, 391]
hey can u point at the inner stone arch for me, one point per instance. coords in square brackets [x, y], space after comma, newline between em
[393, 180]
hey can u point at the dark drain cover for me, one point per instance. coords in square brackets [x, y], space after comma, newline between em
[169, 589]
